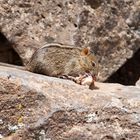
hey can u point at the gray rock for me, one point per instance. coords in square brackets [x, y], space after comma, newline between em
[111, 28]
[52, 109]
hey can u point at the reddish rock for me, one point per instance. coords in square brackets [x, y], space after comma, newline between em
[34, 106]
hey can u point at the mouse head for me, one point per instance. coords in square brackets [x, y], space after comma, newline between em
[88, 61]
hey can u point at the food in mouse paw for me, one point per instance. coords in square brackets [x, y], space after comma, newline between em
[89, 80]
[86, 80]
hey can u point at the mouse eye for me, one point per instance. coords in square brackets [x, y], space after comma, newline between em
[93, 64]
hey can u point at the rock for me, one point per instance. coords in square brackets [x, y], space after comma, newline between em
[111, 28]
[138, 83]
[34, 106]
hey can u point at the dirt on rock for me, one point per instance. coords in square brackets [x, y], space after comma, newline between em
[38, 107]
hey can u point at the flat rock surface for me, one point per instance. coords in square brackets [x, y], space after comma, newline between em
[111, 27]
[34, 106]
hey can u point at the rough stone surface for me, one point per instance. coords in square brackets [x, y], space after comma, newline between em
[34, 106]
[110, 27]
[129, 73]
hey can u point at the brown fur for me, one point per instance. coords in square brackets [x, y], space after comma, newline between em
[56, 60]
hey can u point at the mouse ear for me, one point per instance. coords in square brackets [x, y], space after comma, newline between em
[85, 51]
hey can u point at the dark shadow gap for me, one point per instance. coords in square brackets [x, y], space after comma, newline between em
[7, 53]
[129, 73]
